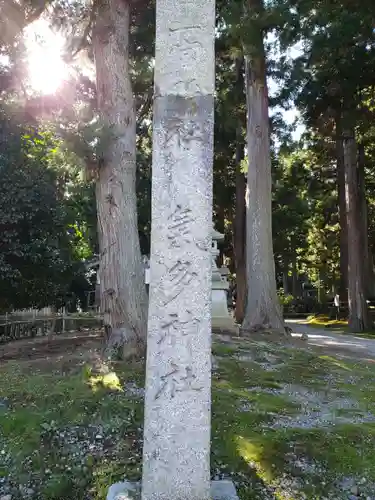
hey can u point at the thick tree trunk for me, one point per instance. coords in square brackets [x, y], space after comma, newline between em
[122, 288]
[343, 288]
[358, 313]
[263, 310]
[368, 262]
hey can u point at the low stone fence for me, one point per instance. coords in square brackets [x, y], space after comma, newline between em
[13, 328]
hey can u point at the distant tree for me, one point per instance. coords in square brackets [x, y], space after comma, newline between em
[329, 82]
[290, 213]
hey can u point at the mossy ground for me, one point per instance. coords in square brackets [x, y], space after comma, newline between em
[339, 326]
[291, 462]
[68, 432]
[323, 321]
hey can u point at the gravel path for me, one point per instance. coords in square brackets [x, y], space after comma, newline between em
[323, 337]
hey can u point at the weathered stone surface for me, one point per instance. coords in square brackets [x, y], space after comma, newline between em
[177, 407]
[220, 490]
[178, 374]
[124, 491]
[185, 39]
[223, 490]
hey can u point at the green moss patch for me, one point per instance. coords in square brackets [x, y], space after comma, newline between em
[64, 435]
[304, 457]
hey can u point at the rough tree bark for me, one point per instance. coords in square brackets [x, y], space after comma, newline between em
[358, 312]
[123, 292]
[343, 287]
[263, 310]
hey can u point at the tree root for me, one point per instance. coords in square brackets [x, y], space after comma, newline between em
[120, 346]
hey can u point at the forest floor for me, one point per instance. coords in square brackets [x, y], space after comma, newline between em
[289, 421]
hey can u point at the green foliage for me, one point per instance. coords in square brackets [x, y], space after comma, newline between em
[330, 81]
[40, 239]
[332, 75]
[291, 210]
[285, 299]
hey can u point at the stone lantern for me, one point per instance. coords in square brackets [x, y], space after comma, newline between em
[220, 316]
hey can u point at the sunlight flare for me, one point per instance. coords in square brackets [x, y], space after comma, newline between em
[46, 67]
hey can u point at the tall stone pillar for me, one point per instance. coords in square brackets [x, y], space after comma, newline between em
[176, 461]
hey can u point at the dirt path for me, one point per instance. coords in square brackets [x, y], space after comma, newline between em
[336, 342]
[328, 342]
[40, 347]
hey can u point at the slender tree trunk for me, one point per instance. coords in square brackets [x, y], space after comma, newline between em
[343, 288]
[122, 288]
[52, 326]
[358, 313]
[263, 311]
[286, 277]
[368, 263]
[295, 284]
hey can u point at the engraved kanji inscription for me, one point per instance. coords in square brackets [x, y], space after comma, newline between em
[183, 131]
[188, 44]
[179, 226]
[177, 379]
[190, 85]
[176, 279]
[180, 27]
[189, 37]
[204, 244]
[177, 322]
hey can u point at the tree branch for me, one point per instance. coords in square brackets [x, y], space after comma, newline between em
[83, 41]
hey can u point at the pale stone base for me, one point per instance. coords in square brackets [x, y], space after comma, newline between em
[221, 319]
[220, 490]
[219, 306]
[124, 491]
[223, 490]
